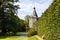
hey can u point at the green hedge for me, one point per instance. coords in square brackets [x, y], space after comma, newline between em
[49, 23]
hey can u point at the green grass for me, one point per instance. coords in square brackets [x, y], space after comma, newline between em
[14, 37]
[32, 38]
[11, 38]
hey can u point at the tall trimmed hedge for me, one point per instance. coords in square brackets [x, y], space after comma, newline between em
[49, 23]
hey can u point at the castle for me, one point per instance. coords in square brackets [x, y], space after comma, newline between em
[32, 19]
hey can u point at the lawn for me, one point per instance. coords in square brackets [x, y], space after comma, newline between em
[11, 38]
[20, 36]
[32, 38]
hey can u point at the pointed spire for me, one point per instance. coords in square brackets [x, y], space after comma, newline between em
[34, 7]
[34, 14]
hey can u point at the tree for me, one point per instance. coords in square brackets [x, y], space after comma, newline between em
[27, 22]
[27, 18]
[7, 11]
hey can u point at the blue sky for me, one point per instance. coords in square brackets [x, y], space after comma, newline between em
[26, 7]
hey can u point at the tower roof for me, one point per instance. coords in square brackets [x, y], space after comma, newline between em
[34, 14]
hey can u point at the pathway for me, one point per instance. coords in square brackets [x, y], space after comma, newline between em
[39, 38]
[23, 36]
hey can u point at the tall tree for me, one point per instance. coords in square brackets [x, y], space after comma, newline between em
[7, 10]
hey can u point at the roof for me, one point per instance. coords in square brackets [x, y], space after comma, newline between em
[34, 14]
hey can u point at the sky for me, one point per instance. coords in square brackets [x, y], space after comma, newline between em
[26, 7]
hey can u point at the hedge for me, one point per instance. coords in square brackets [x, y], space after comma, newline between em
[49, 23]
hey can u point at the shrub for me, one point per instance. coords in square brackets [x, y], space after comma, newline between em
[31, 32]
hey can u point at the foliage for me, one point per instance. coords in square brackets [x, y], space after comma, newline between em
[27, 22]
[9, 21]
[22, 26]
[31, 32]
[8, 18]
[49, 23]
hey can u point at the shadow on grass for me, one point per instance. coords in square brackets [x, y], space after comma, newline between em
[10, 35]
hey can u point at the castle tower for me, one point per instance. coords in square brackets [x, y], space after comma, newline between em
[32, 19]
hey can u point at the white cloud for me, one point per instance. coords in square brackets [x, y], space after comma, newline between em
[27, 6]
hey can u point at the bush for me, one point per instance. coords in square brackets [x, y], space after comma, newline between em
[31, 32]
